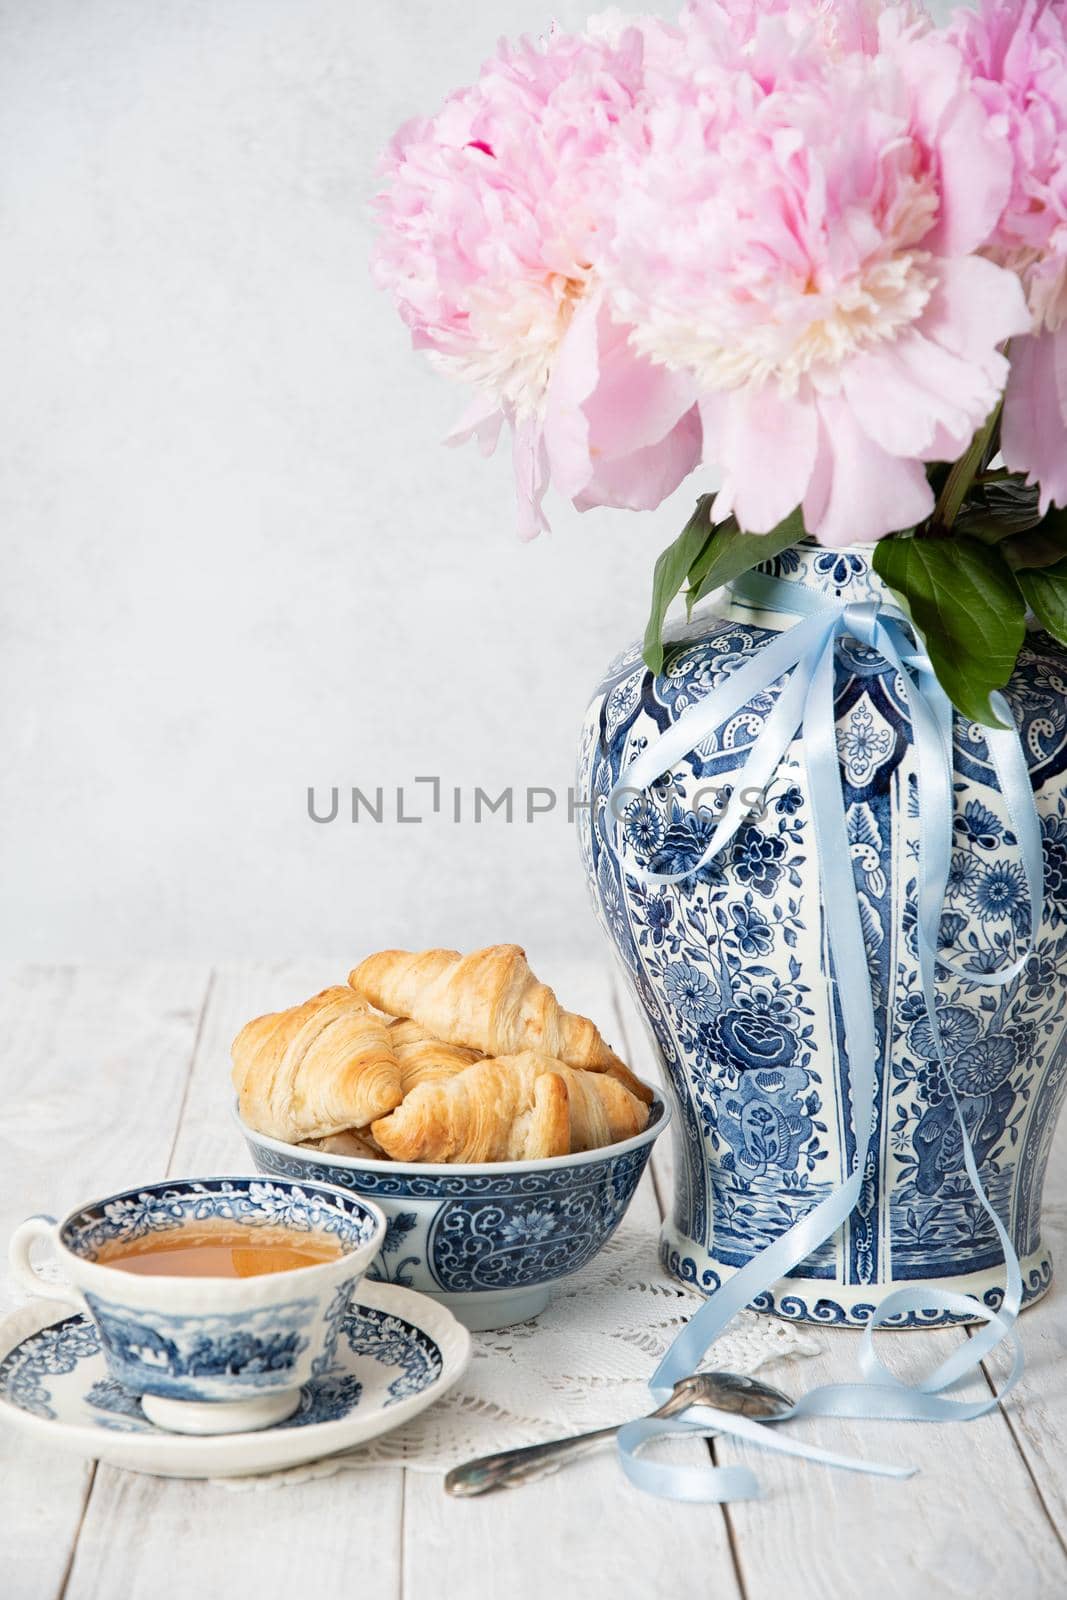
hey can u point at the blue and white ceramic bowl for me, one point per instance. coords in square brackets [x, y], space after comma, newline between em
[209, 1355]
[488, 1240]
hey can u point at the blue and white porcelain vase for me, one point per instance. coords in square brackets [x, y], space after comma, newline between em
[730, 967]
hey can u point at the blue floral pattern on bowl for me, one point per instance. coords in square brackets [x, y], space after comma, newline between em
[489, 1232]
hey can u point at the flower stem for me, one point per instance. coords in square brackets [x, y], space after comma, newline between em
[963, 474]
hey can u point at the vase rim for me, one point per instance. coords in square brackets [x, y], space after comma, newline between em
[859, 548]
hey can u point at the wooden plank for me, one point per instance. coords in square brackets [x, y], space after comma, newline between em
[93, 1068]
[1037, 1409]
[155, 1536]
[43, 1492]
[209, 1140]
[971, 1521]
[583, 1531]
[165, 1538]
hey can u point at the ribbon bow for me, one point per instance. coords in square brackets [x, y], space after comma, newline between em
[804, 656]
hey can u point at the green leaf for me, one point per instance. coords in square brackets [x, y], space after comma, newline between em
[1045, 593]
[670, 574]
[994, 527]
[1042, 546]
[999, 508]
[964, 602]
[730, 552]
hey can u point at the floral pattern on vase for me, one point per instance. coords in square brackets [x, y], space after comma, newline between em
[730, 968]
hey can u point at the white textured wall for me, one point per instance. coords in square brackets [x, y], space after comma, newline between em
[234, 558]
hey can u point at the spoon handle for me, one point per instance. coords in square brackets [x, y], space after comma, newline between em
[524, 1464]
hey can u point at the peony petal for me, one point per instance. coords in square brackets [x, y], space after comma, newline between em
[482, 420]
[574, 379]
[1059, 366]
[1033, 433]
[636, 402]
[530, 461]
[871, 493]
[911, 392]
[640, 480]
[817, 498]
[974, 307]
[976, 167]
[892, 405]
[612, 424]
[767, 453]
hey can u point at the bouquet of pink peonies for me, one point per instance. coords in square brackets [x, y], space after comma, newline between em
[817, 246]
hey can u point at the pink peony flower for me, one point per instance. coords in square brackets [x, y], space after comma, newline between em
[494, 220]
[1017, 50]
[797, 233]
[838, 25]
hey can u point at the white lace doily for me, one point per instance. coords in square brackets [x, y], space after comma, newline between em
[584, 1363]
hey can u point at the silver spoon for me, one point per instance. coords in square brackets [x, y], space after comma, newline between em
[508, 1468]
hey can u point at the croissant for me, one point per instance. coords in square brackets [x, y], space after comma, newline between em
[487, 1112]
[489, 1001]
[522, 1107]
[403, 1031]
[602, 1110]
[351, 1142]
[316, 1069]
[618, 1070]
[430, 1061]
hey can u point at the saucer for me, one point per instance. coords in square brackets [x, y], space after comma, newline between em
[397, 1353]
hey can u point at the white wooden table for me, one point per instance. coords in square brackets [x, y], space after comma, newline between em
[111, 1076]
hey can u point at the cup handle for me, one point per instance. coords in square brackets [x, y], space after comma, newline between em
[25, 1274]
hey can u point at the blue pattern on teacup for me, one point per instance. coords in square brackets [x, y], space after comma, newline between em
[123, 1218]
[185, 1357]
[400, 1358]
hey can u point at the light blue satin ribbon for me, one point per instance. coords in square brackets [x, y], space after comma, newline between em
[804, 657]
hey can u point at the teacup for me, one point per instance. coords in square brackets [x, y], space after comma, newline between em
[209, 1354]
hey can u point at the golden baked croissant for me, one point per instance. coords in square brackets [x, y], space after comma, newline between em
[602, 1110]
[402, 1030]
[487, 1112]
[350, 1142]
[489, 1001]
[316, 1069]
[618, 1070]
[490, 1112]
[427, 1060]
